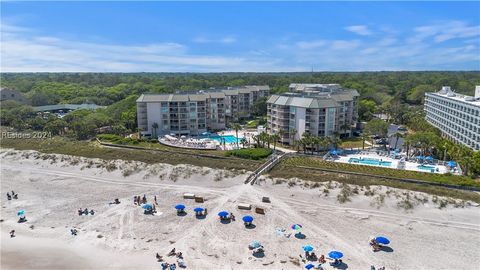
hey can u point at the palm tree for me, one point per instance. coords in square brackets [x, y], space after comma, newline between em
[244, 142]
[281, 132]
[335, 139]
[397, 136]
[344, 128]
[292, 134]
[364, 138]
[275, 138]
[237, 127]
[155, 127]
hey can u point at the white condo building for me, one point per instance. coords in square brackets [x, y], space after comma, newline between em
[195, 112]
[316, 109]
[457, 116]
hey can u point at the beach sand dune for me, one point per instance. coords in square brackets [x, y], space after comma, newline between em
[122, 237]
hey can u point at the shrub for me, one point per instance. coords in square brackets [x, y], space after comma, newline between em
[250, 153]
[113, 138]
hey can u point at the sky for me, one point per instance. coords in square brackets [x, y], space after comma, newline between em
[238, 36]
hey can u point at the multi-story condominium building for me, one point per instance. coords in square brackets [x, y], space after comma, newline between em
[195, 112]
[316, 109]
[457, 116]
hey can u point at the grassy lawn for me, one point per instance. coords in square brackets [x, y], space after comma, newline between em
[60, 145]
[288, 171]
[107, 138]
[352, 143]
[250, 153]
[438, 178]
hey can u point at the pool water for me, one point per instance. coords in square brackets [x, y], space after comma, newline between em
[425, 168]
[228, 138]
[368, 161]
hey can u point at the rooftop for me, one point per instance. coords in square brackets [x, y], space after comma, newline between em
[201, 95]
[313, 99]
[447, 92]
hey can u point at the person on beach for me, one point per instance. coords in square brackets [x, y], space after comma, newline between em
[179, 255]
[155, 199]
[12, 233]
[13, 193]
[144, 199]
[172, 252]
[159, 258]
[205, 212]
[135, 200]
[80, 211]
[15, 196]
[232, 216]
[85, 211]
[9, 197]
[322, 259]
[73, 231]
[92, 212]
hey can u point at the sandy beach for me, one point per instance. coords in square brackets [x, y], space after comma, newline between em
[51, 188]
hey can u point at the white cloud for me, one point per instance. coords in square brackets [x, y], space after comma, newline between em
[224, 40]
[359, 30]
[311, 44]
[22, 52]
[444, 31]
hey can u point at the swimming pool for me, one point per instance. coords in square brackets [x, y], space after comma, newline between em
[426, 168]
[229, 139]
[368, 161]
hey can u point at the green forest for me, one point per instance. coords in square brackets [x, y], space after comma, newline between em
[398, 94]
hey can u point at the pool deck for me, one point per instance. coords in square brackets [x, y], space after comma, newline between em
[411, 166]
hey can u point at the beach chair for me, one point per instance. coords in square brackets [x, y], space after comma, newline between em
[199, 199]
[244, 206]
[189, 196]
[259, 210]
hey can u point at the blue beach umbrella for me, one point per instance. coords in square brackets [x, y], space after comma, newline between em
[179, 206]
[247, 219]
[309, 266]
[21, 213]
[223, 214]
[382, 240]
[255, 244]
[335, 254]
[296, 227]
[147, 206]
[198, 209]
[308, 248]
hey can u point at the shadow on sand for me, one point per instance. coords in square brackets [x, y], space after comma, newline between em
[300, 235]
[182, 214]
[386, 249]
[225, 221]
[250, 226]
[259, 254]
[341, 265]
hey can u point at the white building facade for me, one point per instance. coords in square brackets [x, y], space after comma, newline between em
[316, 109]
[195, 112]
[456, 116]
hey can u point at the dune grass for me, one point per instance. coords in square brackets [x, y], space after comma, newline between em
[61, 145]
